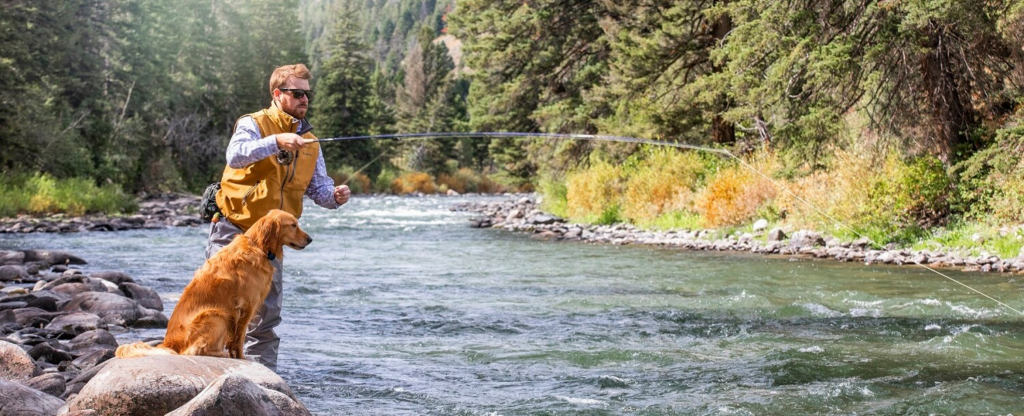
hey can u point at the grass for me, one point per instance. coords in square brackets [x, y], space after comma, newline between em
[43, 194]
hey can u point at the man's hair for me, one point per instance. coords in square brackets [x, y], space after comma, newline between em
[281, 74]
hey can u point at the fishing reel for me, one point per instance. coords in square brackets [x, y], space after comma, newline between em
[285, 157]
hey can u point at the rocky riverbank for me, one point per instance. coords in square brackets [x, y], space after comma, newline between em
[155, 212]
[522, 214]
[57, 326]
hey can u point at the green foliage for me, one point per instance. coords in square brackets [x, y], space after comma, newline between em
[991, 182]
[555, 197]
[44, 194]
[675, 220]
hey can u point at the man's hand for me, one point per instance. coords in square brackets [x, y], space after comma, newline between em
[341, 194]
[290, 141]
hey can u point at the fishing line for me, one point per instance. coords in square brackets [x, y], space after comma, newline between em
[626, 139]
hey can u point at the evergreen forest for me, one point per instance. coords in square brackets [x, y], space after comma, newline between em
[894, 116]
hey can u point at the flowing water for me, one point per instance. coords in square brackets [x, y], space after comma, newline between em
[399, 308]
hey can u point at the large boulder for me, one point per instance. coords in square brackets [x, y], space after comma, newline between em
[105, 305]
[15, 363]
[159, 384]
[235, 395]
[19, 400]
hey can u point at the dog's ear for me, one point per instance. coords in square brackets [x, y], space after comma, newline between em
[265, 234]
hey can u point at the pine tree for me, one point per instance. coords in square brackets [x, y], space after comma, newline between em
[344, 103]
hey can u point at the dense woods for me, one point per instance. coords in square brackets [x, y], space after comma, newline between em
[143, 95]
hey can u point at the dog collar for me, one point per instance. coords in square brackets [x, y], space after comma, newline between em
[271, 256]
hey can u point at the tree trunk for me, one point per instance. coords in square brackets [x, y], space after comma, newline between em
[722, 131]
[951, 115]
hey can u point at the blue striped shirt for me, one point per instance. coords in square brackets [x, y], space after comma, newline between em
[248, 146]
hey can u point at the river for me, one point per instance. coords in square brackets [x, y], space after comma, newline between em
[399, 308]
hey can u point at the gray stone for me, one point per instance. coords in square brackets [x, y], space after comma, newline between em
[11, 257]
[72, 289]
[146, 297]
[75, 324]
[93, 357]
[51, 383]
[760, 225]
[97, 338]
[19, 400]
[160, 384]
[806, 238]
[105, 305]
[13, 273]
[114, 277]
[776, 234]
[234, 395]
[50, 351]
[52, 257]
[544, 219]
[35, 316]
[15, 363]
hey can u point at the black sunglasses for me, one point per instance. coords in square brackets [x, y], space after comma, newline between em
[298, 93]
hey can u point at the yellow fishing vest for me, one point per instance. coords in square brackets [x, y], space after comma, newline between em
[249, 193]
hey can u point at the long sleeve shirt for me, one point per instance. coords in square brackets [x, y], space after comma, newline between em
[248, 146]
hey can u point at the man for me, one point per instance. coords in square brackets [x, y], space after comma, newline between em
[272, 164]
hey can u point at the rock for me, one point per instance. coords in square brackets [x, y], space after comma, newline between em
[513, 214]
[151, 319]
[93, 358]
[760, 225]
[116, 278]
[452, 192]
[544, 219]
[234, 395]
[97, 338]
[16, 364]
[106, 305]
[12, 273]
[45, 303]
[19, 400]
[63, 280]
[978, 238]
[51, 383]
[52, 257]
[75, 324]
[886, 257]
[160, 384]
[776, 234]
[50, 351]
[146, 297]
[72, 289]
[11, 257]
[12, 305]
[805, 238]
[35, 316]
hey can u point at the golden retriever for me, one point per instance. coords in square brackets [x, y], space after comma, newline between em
[213, 314]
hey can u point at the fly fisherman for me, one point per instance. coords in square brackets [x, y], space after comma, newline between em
[270, 165]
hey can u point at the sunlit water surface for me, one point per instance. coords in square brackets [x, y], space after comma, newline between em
[399, 308]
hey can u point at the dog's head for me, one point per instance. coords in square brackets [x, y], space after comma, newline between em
[276, 230]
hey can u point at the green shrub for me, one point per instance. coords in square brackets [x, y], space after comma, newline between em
[43, 194]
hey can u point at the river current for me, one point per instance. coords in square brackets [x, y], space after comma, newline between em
[399, 308]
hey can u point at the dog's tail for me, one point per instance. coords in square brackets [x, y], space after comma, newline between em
[142, 349]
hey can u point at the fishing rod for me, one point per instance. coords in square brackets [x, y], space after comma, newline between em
[626, 139]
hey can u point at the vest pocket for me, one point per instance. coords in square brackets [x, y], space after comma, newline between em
[245, 198]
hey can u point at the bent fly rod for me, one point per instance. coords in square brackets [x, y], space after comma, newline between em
[626, 139]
